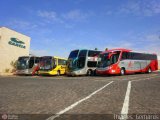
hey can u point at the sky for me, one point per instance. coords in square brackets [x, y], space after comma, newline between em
[58, 26]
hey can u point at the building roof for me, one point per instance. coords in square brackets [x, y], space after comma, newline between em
[13, 30]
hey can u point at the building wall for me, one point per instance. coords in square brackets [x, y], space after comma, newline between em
[9, 53]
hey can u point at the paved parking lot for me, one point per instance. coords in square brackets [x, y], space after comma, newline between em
[80, 97]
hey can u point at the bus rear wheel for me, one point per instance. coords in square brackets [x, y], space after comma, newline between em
[122, 72]
[149, 70]
[58, 73]
[89, 72]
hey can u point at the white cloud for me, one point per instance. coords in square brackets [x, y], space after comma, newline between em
[64, 18]
[141, 8]
[39, 52]
[21, 24]
[77, 15]
[153, 37]
[49, 16]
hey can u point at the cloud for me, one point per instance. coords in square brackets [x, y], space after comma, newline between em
[67, 19]
[21, 24]
[141, 8]
[39, 52]
[77, 15]
[153, 37]
[49, 16]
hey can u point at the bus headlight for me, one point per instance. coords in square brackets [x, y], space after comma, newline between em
[107, 68]
[112, 71]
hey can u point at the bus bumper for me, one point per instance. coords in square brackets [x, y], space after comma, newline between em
[106, 72]
[74, 73]
[22, 72]
[71, 73]
[47, 72]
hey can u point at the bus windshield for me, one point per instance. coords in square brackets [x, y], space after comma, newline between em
[47, 63]
[107, 59]
[22, 63]
[78, 61]
[74, 54]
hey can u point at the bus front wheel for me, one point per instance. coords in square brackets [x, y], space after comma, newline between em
[122, 71]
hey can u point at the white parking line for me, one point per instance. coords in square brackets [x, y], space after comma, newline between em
[125, 107]
[124, 111]
[76, 103]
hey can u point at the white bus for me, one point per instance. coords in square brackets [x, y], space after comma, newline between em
[27, 65]
[82, 62]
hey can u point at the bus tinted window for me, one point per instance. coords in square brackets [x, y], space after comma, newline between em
[82, 53]
[124, 55]
[73, 54]
[114, 57]
[36, 60]
[31, 62]
[93, 53]
[92, 63]
[138, 56]
[81, 62]
[61, 62]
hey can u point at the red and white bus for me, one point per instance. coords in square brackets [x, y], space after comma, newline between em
[124, 61]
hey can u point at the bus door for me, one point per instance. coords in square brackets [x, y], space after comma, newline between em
[36, 65]
[31, 64]
[62, 65]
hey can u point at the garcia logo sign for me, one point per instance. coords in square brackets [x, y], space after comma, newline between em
[17, 42]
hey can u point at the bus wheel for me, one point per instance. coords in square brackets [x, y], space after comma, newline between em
[122, 71]
[58, 73]
[89, 72]
[149, 70]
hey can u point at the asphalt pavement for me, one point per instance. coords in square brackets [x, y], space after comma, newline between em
[61, 97]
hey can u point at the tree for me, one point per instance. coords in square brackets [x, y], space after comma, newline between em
[14, 65]
[106, 49]
[96, 49]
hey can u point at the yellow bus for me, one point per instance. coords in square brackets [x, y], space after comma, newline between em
[51, 65]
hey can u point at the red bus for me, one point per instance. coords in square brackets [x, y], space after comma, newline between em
[124, 61]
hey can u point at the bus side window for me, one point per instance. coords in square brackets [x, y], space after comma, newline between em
[61, 62]
[36, 60]
[125, 55]
[92, 63]
[31, 62]
[93, 53]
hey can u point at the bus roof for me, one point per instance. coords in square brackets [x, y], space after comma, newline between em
[86, 49]
[29, 56]
[117, 49]
[56, 57]
[125, 50]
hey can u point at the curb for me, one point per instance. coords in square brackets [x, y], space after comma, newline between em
[6, 74]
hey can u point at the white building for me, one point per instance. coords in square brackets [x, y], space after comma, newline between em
[12, 45]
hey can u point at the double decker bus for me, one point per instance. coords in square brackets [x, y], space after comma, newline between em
[82, 62]
[51, 65]
[124, 61]
[27, 65]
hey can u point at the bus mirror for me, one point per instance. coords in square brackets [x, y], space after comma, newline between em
[109, 56]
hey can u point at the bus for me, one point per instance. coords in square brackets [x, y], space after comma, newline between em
[27, 65]
[82, 62]
[51, 65]
[124, 61]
